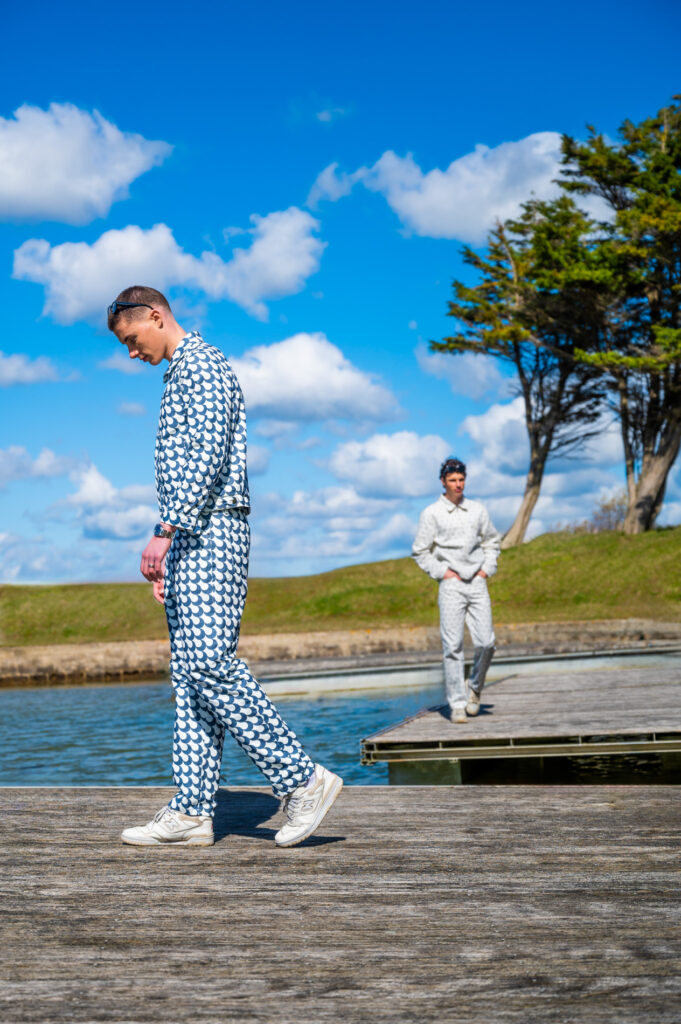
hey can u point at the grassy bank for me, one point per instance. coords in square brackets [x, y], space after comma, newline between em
[556, 577]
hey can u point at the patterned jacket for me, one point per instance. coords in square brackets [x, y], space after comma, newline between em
[459, 537]
[201, 439]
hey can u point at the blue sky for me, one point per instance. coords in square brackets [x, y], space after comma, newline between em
[299, 181]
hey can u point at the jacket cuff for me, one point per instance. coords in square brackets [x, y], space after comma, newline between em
[489, 569]
[183, 521]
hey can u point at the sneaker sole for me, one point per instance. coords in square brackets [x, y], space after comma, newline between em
[191, 841]
[331, 798]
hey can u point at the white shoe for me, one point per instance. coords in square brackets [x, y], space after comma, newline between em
[171, 827]
[459, 715]
[473, 706]
[307, 806]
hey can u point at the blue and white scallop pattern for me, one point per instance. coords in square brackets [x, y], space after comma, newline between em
[206, 582]
[201, 439]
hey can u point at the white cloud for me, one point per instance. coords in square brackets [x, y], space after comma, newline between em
[94, 490]
[339, 526]
[19, 369]
[116, 523]
[306, 378]
[402, 464]
[80, 279]
[501, 435]
[283, 254]
[131, 409]
[467, 374]
[66, 164]
[466, 199]
[333, 185]
[16, 464]
[121, 361]
[105, 512]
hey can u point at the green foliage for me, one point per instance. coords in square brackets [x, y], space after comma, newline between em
[556, 577]
[639, 350]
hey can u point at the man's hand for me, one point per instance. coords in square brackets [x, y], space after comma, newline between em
[153, 558]
[158, 588]
[449, 574]
[481, 573]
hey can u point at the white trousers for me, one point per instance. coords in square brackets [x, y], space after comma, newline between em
[465, 602]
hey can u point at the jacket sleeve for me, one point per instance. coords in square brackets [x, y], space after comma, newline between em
[204, 425]
[490, 542]
[422, 548]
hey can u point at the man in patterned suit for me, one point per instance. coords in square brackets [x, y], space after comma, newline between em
[197, 561]
[457, 545]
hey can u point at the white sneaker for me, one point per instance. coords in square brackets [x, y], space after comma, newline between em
[307, 806]
[459, 715]
[171, 827]
[473, 706]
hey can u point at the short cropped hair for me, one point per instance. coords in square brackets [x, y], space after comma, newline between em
[452, 465]
[137, 293]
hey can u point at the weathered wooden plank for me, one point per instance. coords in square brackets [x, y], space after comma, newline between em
[603, 704]
[456, 904]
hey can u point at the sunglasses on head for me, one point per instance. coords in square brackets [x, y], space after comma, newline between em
[116, 307]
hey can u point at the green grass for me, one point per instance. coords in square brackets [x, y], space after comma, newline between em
[554, 578]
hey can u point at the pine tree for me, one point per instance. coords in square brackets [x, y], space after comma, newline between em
[538, 299]
[638, 179]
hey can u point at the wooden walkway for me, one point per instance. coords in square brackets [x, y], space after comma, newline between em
[620, 711]
[464, 905]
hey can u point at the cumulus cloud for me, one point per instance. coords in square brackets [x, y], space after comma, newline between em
[501, 435]
[104, 511]
[16, 463]
[306, 378]
[402, 464]
[19, 369]
[80, 278]
[68, 165]
[467, 374]
[340, 526]
[464, 200]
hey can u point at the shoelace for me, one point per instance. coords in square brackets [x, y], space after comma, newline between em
[292, 804]
[166, 812]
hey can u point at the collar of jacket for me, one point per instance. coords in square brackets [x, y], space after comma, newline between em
[188, 343]
[451, 507]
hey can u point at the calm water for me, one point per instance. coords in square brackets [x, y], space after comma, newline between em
[122, 735]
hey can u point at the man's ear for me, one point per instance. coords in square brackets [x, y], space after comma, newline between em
[156, 316]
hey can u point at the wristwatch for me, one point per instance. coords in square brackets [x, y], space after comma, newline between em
[160, 531]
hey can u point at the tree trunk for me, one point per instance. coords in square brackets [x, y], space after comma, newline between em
[629, 460]
[516, 533]
[651, 486]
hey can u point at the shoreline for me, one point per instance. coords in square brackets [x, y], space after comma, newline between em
[293, 653]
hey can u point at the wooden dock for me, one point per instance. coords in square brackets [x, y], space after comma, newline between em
[609, 712]
[464, 905]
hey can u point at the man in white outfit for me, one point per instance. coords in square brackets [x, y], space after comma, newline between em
[456, 543]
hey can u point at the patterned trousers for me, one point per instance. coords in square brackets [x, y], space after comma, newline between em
[205, 591]
[465, 602]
